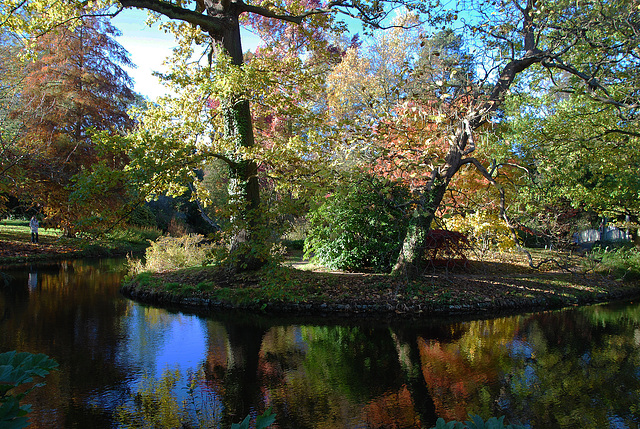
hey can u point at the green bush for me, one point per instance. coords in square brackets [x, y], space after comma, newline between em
[360, 226]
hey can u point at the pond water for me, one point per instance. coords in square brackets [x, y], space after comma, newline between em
[576, 368]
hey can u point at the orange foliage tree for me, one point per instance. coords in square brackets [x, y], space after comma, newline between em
[76, 84]
[510, 41]
[404, 104]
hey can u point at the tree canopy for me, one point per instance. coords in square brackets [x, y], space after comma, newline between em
[414, 104]
[588, 49]
[73, 86]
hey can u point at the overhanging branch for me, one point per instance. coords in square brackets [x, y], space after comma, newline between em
[296, 19]
[351, 9]
[172, 11]
[592, 85]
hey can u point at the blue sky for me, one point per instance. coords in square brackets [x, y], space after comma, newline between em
[149, 47]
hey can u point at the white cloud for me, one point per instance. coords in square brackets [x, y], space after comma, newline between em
[149, 47]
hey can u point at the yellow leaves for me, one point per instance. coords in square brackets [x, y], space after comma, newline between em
[345, 85]
[484, 229]
[34, 17]
[438, 119]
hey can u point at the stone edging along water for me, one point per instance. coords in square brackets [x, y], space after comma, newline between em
[398, 308]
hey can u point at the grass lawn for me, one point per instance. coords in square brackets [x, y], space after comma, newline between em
[493, 283]
[16, 246]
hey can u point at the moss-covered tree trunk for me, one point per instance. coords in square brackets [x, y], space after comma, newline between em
[410, 262]
[220, 19]
[244, 189]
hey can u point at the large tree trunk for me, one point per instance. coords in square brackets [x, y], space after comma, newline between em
[244, 189]
[220, 19]
[410, 262]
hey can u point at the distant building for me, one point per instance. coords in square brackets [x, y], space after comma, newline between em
[605, 234]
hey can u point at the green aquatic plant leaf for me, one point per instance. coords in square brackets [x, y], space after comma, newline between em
[17, 369]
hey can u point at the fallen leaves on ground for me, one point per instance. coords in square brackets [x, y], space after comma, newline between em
[16, 250]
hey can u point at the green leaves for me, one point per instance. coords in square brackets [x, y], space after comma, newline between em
[360, 226]
[17, 369]
[476, 422]
[579, 151]
[441, 424]
[262, 421]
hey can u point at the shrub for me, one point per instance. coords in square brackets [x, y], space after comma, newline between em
[445, 248]
[485, 231]
[361, 225]
[177, 227]
[170, 253]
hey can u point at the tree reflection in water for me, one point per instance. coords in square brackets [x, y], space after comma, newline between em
[564, 369]
[577, 368]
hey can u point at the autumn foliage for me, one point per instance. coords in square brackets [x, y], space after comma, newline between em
[75, 86]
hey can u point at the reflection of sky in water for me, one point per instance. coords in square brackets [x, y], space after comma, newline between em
[33, 281]
[155, 340]
[152, 341]
[298, 337]
[184, 346]
[520, 349]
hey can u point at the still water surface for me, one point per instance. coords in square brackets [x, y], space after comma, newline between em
[577, 368]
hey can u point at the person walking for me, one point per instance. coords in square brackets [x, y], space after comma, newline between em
[33, 224]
